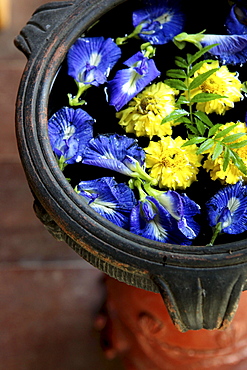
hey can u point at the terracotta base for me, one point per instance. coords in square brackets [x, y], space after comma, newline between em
[136, 327]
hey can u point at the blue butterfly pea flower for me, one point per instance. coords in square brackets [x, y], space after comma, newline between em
[111, 200]
[90, 59]
[153, 221]
[115, 152]
[128, 82]
[70, 131]
[227, 209]
[159, 22]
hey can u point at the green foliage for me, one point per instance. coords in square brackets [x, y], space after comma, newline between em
[201, 130]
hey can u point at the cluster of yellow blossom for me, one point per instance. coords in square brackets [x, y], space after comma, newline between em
[232, 174]
[145, 112]
[223, 83]
[173, 165]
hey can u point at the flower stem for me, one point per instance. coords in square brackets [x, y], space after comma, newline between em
[74, 101]
[216, 232]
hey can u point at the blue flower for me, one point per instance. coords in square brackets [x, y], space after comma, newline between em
[159, 22]
[128, 82]
[116, 152]
[182, 209]
[111, 200]
[70, 131]
[231, 49]
[151, 220]
[90, 60]
[236, 21]
[227, 210]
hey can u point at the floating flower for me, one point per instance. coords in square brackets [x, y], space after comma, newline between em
[223, 83]
[118, 153]
[128, 82]
[180, 207]
[236, 20]
[146, 111]
[70, 131]
[174, 166]
[151, 220]
[159, 22]
[227, 210]
[231, 49]
[230, 175]
[90, 60]
[111, 200]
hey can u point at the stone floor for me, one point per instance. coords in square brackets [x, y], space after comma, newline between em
[49, 296]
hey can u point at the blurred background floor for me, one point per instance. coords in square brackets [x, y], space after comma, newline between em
[49, 296]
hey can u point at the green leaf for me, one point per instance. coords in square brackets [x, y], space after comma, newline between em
[202, 51]
[233, 137]
[204, 97]
[176, 84]
[193, 129]
[181, 62]
[212, 131]
[201, 78]
[205, 146]
[176, 73]
[227, 155]
[204, 118]
[198, 65]
[225, 131]
[200, 126]
[217, 150]
[237, 161]
[238, 145]
[175, 115]
[195, 140]
[182, 100]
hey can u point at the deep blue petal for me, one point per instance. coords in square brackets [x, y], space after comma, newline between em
[111, 151]
[90, 59]
[232, 49]
[183, 209]
[108, 198]
[236, 21]
[229, 206]
[151, 220]
[70, 131]
[127, 83]
[160, 22]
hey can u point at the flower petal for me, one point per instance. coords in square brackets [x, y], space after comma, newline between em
[69, 132]
[129, 82]
[111, 200]
[229, 206]
[90, 59]
[112, 152]
[236, 21]
[232, 49]
[160, 22]
[151, 220]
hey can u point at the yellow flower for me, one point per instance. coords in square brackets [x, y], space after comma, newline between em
[232, 174]
[221, 82]
[174, 167]
[145, 112]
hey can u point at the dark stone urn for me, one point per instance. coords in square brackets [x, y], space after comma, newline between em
[199, 285]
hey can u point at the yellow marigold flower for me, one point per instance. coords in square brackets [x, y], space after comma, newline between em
[174, 167]
[145, 112]
[221, 82]
[232, 174]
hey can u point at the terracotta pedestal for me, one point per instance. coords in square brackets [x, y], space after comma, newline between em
[136, 327]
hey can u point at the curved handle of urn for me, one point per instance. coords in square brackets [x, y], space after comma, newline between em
[201, 298]
[40, 26]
